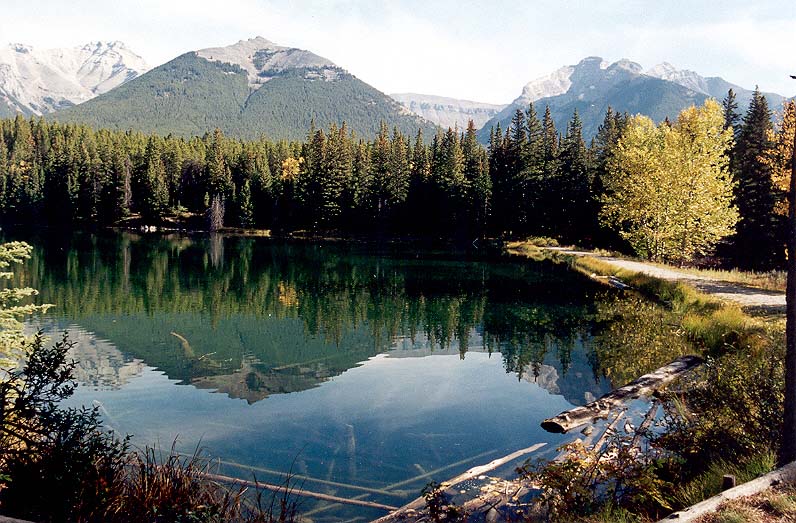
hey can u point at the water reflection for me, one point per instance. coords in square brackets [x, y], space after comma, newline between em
[252, 318]
[348, 365]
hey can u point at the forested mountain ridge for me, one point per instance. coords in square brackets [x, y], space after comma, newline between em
[247, 90]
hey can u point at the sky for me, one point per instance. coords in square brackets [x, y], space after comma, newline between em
[477, 50]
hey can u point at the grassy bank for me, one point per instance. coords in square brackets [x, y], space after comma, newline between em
[722, 419]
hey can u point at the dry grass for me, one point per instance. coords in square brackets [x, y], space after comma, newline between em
[775, 505]
[158, 486]
[769, 281]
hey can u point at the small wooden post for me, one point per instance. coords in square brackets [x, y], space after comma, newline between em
[727, 482]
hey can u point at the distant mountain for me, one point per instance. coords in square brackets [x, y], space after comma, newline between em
[448, 112]
[247, 89]
[712, 86]
[36, 81]
[593, 85]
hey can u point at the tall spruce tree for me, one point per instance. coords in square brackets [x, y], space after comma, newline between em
[533, 173]
[604, 148]
[758, 240]
[476, 175]
[574, 185]
[154, 199]
[731, 115]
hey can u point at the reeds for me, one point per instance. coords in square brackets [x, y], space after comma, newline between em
[165, 487]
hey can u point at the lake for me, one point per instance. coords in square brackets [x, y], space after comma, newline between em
[366, 372]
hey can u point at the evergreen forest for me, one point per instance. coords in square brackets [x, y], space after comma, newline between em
[531, 179]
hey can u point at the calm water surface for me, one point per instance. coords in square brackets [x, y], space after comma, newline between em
[380, 371]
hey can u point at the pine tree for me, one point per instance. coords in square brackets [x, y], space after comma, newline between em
[757, 242]
[731, 116]
[245, 205]
[399, 168]
[20, 167]
[335, 175]
[573, 185]
[450, 179]
[476, 174]
[603, 152]
[499, 178]
[219, 177]
[154, 198]
[531, 205]
[361, 187]
[309, 188]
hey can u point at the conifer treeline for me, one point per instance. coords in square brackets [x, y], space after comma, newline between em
[448, 185]
[530, 180]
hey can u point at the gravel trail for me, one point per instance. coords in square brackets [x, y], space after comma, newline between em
[769, 301]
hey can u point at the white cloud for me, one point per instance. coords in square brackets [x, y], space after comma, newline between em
[462, 48]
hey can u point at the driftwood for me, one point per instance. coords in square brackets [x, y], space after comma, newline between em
[643, 386]
[785, 475]
[420, 502]
[297, 492]
[309, 479]
[402, 483]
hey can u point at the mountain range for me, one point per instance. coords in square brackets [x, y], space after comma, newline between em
[448, 112]
[592, 85]
[36, 81]
[248, 89]
[256, 87]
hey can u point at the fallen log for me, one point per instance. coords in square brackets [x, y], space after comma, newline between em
[785, 475]
[420, 502]
[643, 386]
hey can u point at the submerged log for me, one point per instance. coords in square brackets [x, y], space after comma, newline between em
[643, 386]
[298, 492]
[420, 502]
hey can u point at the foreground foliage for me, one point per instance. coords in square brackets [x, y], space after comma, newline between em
[700, 437]
[11, 306]
[60, 464]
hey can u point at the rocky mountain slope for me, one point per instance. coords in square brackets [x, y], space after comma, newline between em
[36, 81]
[712, 86]
[592, 85]
[248, 89]
[448, 112]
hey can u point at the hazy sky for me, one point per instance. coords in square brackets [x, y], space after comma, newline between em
[477, 50]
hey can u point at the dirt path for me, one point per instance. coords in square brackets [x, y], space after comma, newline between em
[765, 301]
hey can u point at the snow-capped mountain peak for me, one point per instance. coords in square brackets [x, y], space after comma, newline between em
[38, 81]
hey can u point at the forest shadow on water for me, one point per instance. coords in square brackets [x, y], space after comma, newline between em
[367, 371]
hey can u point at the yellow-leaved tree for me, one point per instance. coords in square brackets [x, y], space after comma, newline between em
[780, 156]
[12, 339]
[668, 191]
